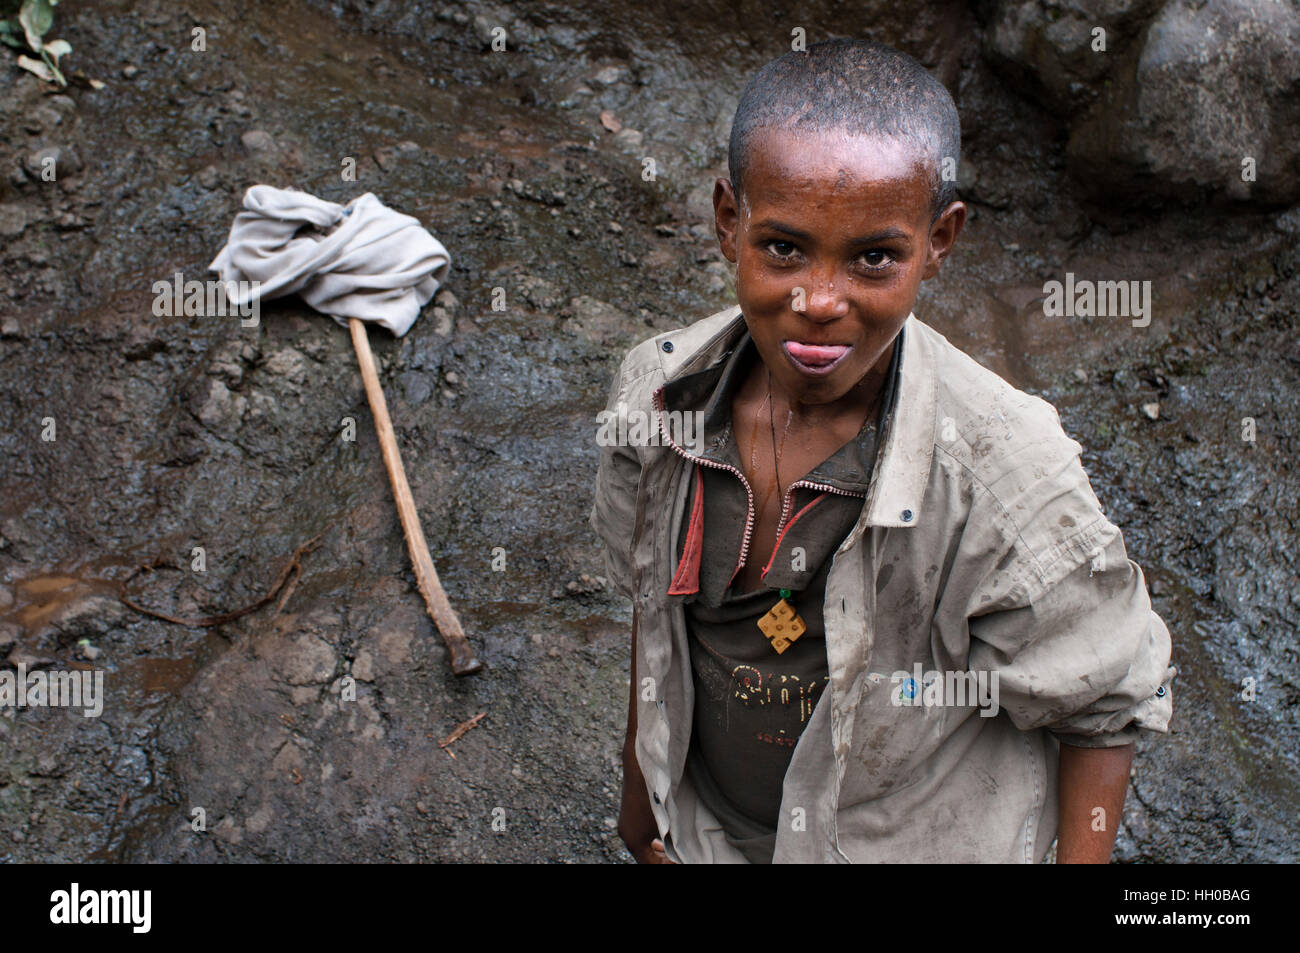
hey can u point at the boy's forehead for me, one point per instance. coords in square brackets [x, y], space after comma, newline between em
[786, 163]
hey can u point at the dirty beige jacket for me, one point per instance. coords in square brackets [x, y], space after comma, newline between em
[981, 548]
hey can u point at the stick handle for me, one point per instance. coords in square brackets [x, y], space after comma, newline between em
[463, 660]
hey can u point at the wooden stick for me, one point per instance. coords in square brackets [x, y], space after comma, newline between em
[463, 660]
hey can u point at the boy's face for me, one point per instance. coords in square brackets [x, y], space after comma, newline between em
[831, 241]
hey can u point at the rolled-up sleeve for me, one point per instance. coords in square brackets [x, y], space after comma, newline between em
[613, 510]
[1085, 657]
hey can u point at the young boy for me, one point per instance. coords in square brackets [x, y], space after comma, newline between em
[878, 612]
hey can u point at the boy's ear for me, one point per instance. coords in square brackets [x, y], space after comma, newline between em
[943, 235]
[726, 217]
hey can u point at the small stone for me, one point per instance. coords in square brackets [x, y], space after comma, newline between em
[38, 160]
[13, 220]
[1081, 375]
[629, 137]
[130, 70]
[486, 30]
[609, 75]
[616, 228]
[208, 177]
[451, 377]
[258, 141]
[289, 363]
[565, 37]
[1152, 410]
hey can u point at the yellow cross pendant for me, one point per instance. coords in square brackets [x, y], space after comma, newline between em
[782, 624]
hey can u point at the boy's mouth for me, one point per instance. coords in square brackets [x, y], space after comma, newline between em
[815, 359]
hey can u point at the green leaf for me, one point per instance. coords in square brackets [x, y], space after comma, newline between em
[12, 34]
[36, 16]
[54, 66]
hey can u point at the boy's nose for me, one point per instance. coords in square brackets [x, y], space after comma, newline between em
[826, 300]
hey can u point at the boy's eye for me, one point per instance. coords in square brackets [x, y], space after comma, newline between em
[876, 259]
[780, 248]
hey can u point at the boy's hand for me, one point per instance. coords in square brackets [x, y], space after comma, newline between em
[636, 821]
[660, 854]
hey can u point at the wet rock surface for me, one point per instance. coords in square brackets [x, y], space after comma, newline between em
[1184, 99]
[208, 451]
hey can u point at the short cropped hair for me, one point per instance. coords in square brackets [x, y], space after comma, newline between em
[854, 86]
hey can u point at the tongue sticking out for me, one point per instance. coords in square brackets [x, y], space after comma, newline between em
[814, 355]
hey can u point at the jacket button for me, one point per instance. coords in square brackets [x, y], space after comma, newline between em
[1160, 692]
[668, 347]
[656, 793]
[907, 516]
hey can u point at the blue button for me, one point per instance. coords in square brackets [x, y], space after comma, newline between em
[1160, 692]
[907, 516]
[668, 347]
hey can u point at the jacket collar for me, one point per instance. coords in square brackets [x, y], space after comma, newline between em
[902, 469]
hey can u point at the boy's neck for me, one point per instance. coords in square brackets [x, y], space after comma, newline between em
[856, 404]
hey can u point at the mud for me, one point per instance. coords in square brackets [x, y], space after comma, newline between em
[185, 432]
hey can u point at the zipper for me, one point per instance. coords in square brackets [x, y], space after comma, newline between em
[705, 461]
[787, 502]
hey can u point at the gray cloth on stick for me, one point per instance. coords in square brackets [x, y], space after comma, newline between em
[362, 260]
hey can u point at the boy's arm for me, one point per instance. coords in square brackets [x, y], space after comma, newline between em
[613, 515]
[1088, 660]
[636, 819]
[1091, 779]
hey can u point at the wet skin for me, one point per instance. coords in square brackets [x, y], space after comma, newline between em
[831, 238]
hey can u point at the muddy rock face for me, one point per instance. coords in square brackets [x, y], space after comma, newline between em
[187, 456]
[1166, 97]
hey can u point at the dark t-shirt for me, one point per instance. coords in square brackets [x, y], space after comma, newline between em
[751, 703]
